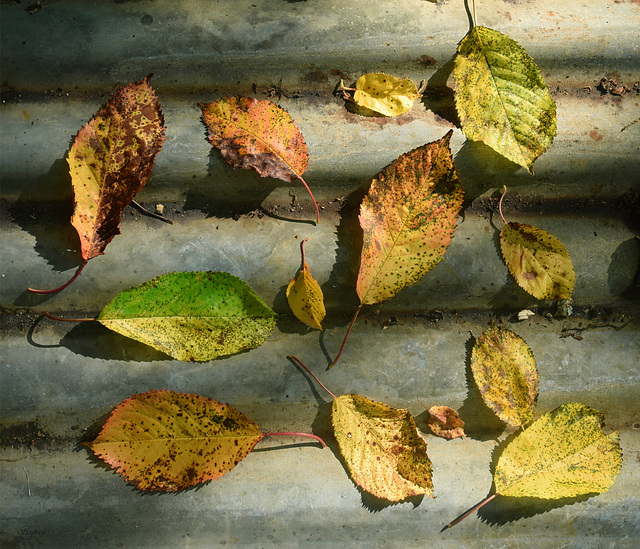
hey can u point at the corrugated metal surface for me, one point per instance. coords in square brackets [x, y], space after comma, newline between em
[61, 63]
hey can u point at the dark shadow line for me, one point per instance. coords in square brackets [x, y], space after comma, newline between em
[32, 342]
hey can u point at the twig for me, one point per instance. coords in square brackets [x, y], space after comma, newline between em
[150, 214]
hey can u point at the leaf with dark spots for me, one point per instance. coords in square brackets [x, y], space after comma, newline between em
[445, 422]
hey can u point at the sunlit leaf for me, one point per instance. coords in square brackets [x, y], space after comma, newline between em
[169, 441]
[305, 298]
[196, 316]
[384, 94]
[501, 97]
[538, 261]
[445, 422]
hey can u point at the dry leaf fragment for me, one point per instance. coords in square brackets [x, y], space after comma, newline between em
[445, 422]
[384, 94]
[305, 298]
[505, 371]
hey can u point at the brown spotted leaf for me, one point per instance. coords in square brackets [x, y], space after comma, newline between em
[445, 422]
[169, 441]
[305, 298]
[111, 160]
[408, 218]
[505, 371]
[383, 451]
[538, 261]
[383, 94]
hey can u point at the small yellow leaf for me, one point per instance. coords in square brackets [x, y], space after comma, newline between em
[538, 261]
[305, 297]
[505, 371]
[563, 454]
[445, 422]
[385, 94]
[382, 449]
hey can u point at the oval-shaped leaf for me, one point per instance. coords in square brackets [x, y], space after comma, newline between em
[505, 371]
[305, 298]
[385, 94]
[538, 261]
[169, 441]
[445, 422]
[408, 218]
[501, 97]
[383, 451]
[111, 160]
[563, 454]
[196, 316]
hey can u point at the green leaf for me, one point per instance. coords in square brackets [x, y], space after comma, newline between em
[563, 454]
[501, 97]
[505, 371]
[195, 316]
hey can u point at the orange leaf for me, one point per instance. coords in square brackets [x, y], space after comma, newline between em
[445, 422]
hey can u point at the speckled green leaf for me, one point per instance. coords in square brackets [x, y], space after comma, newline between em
[408, 218]
[563, 454]
[383, 451]
[501, 97]
[169, 441]
[505, 371]
[195, 316]
[538, 261]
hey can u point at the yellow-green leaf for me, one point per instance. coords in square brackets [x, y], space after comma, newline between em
[195, 316]
[408, 218]
[501, 97]
[382, 449]
[169, 441]
[305, 297]
[385, 94]
[563, 454]
[538, 261]
[505, 371]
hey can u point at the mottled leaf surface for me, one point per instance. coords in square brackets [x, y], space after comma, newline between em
[195, 316]
[501, 97]
[563, 454]
[169, 441]
[505, 371]
[408, 218]
[382, 449]
[538, 261]
[111, 160]
[305, 298]
[385, 94]
[445, 422]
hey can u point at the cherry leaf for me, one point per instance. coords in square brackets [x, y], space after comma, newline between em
[408, 218]
[169, 441]
[305, 298]
[445, 422]
[384, 94]
[194, 316]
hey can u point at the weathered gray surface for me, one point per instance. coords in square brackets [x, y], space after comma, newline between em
[59, 381]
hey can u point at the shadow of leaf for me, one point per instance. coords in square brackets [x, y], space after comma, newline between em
[623, 274]
[438, 96]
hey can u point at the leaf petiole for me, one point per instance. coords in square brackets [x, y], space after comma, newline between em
[60, 319]
[80, 268]
[309, 435]
[299, 362]
[312, 198]
[344, 341]
[469, 512]
[504, 191]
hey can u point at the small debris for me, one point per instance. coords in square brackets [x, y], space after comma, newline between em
[564, 308]
[525, 314]
[159, 209]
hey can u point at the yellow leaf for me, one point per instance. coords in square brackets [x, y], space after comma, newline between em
[445, 422]
[563, 454]
[382, 449]
[305, 297]
[505, 371]
[385, 94]
[538, 261]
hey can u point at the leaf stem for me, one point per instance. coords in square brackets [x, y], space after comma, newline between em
[291, 357]
[470, 511]
[504, 191]
[150, 213]
[302, 248]
[345, 338]
[474, 12]
[312, 198]
[309, 435]
[80, 268]
[60, 319]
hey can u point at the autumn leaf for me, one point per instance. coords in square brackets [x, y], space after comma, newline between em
[258, 135]
[445, 422]
[501, 97]
[505, 371]
[563, 454]
[382, 93]
[195, 316]
[408, 218]
[110, 161]
[305, 298]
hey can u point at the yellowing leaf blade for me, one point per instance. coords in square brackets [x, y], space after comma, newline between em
[382, 449]
[305, 298]
[193, 316]
[501, 97]
[505, 371]
[385, 94]
[564, 453]
[169, 441]
[445, 422]
[408, 218]
[538, 261]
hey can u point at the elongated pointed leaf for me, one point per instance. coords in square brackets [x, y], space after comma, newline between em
[169, 441]
[385, 94]
[538, 261]
[505, 371]
[501, 97]
[381, 446]
[563, 454]
[408, 218]
[196, 316]
[305, 298]
[111, 160]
